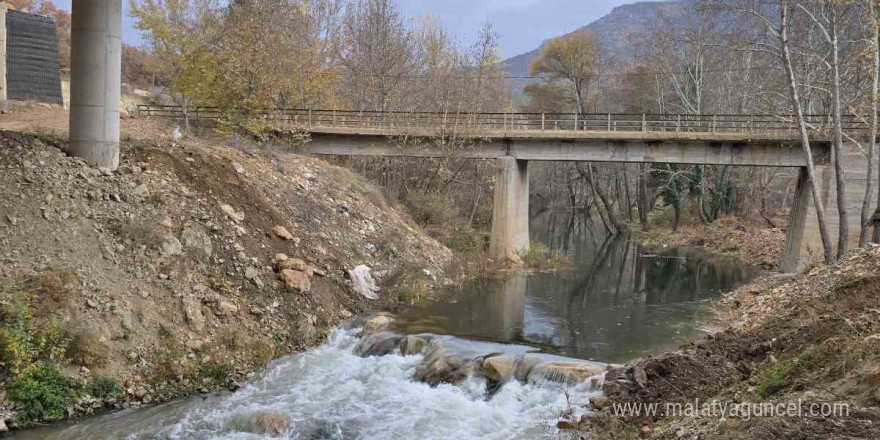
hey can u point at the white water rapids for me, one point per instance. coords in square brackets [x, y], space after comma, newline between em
[331, 393]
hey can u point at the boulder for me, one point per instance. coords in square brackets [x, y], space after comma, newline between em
[377, 344]
[499, 368]
[195, 238]
[363, 282]
[569, 420]
[640, 376]
[297, 265]
[565, 372]
[375, 323]
[272, 424]
[599, 402]
[282, 233]
[226, 308]
[410, 345]
[192, 310]
[613, 388]
[295, 281]
[615, 372]
[232, 213]
[525, 365]
[171, 246]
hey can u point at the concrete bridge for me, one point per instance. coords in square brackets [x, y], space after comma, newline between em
[515, 139]
[514, 150]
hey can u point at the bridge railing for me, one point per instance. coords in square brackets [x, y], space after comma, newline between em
[781, 125]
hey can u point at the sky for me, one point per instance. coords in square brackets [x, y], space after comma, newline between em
[521, 24]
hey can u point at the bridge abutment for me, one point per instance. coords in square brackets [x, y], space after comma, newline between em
[510, 215]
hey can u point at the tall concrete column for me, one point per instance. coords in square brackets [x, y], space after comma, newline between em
[510, 215]
[95, 81]
[3, 92]
[797, 223]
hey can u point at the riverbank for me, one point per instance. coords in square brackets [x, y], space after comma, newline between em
[187, 270]
[801, 343]
[750, 243]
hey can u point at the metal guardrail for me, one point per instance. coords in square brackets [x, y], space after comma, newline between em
[516, 122]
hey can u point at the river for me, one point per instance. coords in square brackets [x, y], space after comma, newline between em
[618, 302]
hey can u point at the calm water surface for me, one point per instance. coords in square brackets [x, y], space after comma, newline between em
[618, 302]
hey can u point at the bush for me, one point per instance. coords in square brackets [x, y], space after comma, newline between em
[42, 393]
[22, 342]
[105, 388]
[467, 241]
[431, 209]
[87, 349]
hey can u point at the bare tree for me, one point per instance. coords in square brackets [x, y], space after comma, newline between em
[780, 30]
[377, 53]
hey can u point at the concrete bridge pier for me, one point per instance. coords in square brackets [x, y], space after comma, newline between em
[96, 81]
[510, 215]
[797, 222]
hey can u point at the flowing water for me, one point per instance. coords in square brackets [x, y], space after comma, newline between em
[618, 302]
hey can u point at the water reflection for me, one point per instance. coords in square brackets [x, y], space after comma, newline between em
[619, 302]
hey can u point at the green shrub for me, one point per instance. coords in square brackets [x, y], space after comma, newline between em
[105, 388]
[22, 342]
[776, 377]
[42, 393]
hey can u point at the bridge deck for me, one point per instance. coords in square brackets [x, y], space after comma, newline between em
[751, 140]
[747, 149]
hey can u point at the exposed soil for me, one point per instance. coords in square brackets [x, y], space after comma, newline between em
[167, 266]
[813, 338]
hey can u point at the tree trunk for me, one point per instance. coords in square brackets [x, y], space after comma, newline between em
[872, 144]
[642, 198]
[677, 218]
[609, 207]
[839, 170]
[805, 137]
[720, 192]
[701, 209]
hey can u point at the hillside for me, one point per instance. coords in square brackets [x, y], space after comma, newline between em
[167, 276]
[615, 31]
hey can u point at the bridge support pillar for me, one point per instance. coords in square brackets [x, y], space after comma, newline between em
[797, 223]
[510, 215]
[3, 92]
[95, 81]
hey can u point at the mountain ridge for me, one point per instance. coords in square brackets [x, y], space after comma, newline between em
[614, 31]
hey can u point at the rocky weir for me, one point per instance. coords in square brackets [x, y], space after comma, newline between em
[370, 382]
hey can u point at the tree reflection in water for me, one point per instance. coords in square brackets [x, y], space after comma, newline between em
[619, 300]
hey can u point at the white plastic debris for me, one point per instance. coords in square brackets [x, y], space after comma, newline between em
[363, 282]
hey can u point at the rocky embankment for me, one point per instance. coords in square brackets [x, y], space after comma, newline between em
[190, 267]
[808, 340]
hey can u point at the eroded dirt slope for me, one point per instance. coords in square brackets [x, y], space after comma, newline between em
[164, 273]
